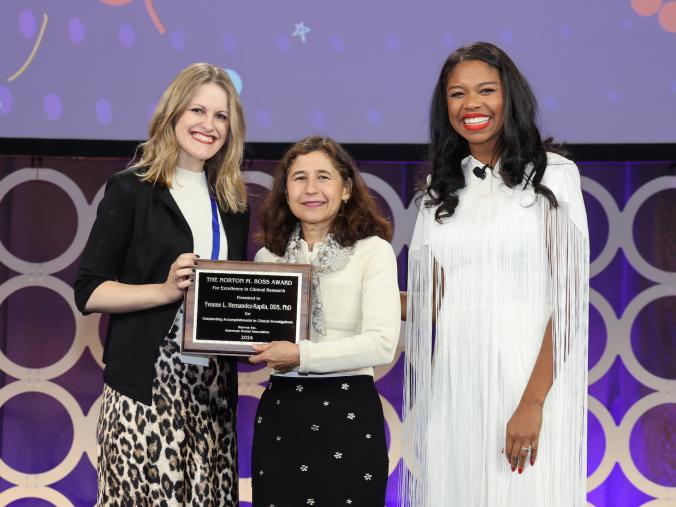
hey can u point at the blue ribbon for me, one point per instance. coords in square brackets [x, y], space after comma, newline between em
[216, 231]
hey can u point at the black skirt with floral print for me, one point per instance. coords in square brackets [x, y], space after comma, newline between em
[321, 442]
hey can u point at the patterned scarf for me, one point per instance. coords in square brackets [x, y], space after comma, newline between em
[330, 258]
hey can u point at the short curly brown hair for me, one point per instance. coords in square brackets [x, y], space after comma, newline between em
[359, 218]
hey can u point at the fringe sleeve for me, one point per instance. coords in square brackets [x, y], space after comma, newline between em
[568, 253]
[417, 364]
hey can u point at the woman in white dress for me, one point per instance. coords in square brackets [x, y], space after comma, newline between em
[496, 373]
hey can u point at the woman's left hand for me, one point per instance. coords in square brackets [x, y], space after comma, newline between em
[523, 432]
[281, 356]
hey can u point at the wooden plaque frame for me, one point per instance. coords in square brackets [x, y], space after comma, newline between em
[231, 282]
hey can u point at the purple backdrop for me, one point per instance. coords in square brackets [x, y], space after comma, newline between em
[364, 71]
[50, 371]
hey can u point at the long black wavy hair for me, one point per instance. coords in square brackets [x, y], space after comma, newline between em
[519, 142]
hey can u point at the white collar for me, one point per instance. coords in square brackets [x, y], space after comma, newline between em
[469, 163]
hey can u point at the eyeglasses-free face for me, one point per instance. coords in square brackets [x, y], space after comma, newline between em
[202, 128]
[476, 106]
[315, 190]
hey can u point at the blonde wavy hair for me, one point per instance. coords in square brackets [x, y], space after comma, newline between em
[159, 154]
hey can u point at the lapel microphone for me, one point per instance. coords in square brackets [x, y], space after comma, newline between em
[480, 172]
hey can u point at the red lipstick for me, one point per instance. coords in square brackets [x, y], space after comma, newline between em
[475, 121]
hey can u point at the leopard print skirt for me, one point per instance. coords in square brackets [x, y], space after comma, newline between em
[182, 449]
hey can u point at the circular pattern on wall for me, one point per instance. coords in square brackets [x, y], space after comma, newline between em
[646, 444]
[658, 358]
[85, 217]
[613, 443]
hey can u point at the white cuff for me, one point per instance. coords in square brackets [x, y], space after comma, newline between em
[304, 352]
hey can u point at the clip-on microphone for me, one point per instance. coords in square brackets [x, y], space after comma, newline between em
[480, 172]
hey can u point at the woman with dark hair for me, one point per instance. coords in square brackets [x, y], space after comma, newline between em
[495, 405]
[319, 436]
[166, 432]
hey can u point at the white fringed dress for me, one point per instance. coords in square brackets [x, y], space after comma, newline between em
[503, 265]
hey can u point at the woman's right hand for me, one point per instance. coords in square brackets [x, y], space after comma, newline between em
[115, 297]
[180, 276]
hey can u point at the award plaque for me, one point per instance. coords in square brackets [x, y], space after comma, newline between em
[234, 305]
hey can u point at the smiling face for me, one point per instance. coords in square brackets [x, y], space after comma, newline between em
[475, 106]
[315, 190]
[202, 129]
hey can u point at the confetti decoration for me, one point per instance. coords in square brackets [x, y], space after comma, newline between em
[38, 41]
[150, 7]
[301, 31]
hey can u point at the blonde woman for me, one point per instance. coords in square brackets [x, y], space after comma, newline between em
[166, 433]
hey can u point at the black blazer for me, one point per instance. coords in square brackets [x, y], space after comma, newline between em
[138, 233]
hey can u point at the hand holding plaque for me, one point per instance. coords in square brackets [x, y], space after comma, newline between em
[234, 305]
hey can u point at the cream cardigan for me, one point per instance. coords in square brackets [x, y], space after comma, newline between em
[362, 308]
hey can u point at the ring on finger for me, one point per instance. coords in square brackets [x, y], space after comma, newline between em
[526, 450]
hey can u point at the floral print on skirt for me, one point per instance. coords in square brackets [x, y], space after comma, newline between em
[321, 442]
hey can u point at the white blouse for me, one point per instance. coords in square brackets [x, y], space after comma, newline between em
[362, 309]
[191, 193]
